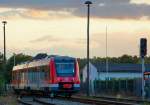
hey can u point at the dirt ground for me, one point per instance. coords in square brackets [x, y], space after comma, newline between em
[8, 100]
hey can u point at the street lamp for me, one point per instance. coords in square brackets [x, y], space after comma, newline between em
[88, 23]
[4, 23]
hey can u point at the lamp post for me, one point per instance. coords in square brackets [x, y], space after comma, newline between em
[4, 23]
[88, 23]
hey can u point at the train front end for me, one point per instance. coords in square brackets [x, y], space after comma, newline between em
[65, 73]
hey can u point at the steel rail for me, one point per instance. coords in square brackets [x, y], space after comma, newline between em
[20, 100]
[102, 102]
[136, 100]
[96, 101]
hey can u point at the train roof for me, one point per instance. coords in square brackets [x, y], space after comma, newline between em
[60, 58]
[22, 66]
[33, 63]
[41, 62]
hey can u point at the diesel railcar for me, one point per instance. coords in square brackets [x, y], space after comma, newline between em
[52, 75]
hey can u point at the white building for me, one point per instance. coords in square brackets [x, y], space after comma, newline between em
[115, 71]
[129, 71]
[93, 75]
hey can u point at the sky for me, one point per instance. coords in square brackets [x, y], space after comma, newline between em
[59, 27]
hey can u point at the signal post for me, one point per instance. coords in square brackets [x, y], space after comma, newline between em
[143, 52]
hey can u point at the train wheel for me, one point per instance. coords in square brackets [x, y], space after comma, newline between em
[68, 95]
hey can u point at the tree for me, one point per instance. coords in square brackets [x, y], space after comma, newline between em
[1, 65]
[2, 79]
[125, 59]
[19, 58]
[40, 56]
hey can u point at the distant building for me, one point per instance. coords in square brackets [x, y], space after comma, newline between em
[98, 71]
[115, 71]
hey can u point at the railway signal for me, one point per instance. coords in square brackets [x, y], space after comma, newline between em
[143, 47]
[143, 52]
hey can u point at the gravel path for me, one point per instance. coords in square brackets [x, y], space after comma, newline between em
[30, 101]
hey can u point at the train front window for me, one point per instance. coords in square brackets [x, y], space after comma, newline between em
[65, 69]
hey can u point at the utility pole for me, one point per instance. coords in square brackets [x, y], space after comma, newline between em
[88, 24]
[4, 23]
[14, 59]
[106, 60]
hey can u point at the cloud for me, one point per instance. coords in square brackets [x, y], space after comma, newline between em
[46, 38]
[140, 1]
[59, 41]
[32, 14]
[120, 9]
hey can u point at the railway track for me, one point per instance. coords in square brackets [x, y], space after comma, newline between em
[47, 101]
[118, 100]
[101, 101]
[32, 101]
[87, 101]
[138, 100]
[78, 101]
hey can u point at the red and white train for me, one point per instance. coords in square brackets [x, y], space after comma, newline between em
[52, 75]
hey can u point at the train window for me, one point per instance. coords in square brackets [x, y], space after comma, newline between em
[48, 72]
[41, 73]
[23, 76]
[19, 75]
[33, 75]
[44, 72]
[30, 76]
[13, 75]
[65, 69]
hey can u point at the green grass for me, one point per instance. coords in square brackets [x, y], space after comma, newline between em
[145, 103]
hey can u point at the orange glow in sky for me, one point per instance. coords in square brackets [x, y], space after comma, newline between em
[32, 31]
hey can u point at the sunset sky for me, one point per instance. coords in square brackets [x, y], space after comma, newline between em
[59, 26]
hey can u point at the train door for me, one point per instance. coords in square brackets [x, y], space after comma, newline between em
[38, 77]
